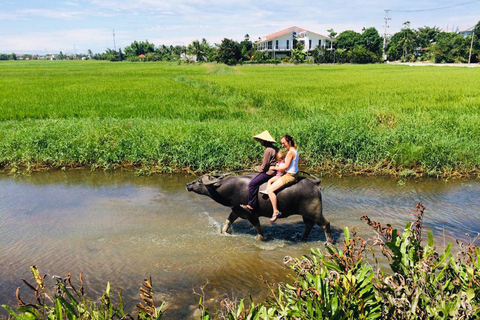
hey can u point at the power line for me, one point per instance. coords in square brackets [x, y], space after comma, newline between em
[438, 8]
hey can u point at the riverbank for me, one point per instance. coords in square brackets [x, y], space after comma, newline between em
[162, 117]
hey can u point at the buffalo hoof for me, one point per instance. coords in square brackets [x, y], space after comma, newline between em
[226, 228]
[259, 237]
[329, 243]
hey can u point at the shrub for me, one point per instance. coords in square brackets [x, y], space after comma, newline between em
[421, 284]
[361, 55]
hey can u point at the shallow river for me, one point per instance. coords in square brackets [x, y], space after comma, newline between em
[122, 228]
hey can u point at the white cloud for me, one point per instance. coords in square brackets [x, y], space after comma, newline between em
[182, 21]
[50, 14]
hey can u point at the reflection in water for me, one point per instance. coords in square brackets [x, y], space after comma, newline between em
[121, 228]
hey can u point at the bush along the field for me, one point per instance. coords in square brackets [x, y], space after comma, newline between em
[69, 303]
[421, 283]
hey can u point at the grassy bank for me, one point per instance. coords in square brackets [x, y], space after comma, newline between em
[166, 117]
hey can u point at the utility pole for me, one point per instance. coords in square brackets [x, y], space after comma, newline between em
[114, 47]
[385, 34]
[471, 46]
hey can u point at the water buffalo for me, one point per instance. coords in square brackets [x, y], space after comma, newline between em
[302, 198]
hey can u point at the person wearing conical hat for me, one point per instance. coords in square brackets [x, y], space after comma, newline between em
[265, 171]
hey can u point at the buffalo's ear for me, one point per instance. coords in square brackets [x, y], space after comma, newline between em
[216, 184]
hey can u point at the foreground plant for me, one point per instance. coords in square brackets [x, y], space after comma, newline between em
[66, 302]
[420, 284]
[425, 284]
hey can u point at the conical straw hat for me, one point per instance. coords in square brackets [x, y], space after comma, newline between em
[265, 136]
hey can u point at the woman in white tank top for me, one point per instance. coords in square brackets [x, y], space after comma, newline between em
[290, 176]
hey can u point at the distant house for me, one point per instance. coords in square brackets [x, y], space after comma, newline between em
[464, 31]
[279, 44]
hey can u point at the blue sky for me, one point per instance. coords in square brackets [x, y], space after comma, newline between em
[47, 26]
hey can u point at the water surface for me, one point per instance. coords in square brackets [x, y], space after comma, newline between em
[122, 228]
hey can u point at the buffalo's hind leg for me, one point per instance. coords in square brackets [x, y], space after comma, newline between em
[230, 220]
[326, 228]
[308, 227]
[256, 225]
[322, 223]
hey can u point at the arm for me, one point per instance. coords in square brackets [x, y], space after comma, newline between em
[288, 160]
[265, 162]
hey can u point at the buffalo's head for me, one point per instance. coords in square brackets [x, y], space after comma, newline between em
[201, 184]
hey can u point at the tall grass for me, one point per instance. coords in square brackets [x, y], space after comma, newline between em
[376, 118]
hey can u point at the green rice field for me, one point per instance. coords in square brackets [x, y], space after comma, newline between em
[165, 117]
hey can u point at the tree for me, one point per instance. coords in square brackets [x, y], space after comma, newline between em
[331, 33]
[400, 45]
[372, 41]
[476, 32]
[199, 49]
[360, 54]
[425, 36]
[407, 41]
[298, 55]
[247, 49]
[137, 48]
[113, 55]
[450, 47]
[348, 40]
[228, 52]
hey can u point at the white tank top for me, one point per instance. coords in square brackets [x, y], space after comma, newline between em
[293, 168]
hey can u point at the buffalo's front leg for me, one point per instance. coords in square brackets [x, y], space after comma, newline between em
[231, 219]
[256, 225]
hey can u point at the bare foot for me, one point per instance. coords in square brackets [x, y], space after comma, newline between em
[246, 206]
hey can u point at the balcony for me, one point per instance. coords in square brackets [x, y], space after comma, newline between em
[282, 48]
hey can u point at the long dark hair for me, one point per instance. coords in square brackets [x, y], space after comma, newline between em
[289, 139]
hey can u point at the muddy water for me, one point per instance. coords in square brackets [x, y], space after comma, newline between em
[122, 228]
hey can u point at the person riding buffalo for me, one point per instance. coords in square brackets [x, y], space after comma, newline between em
[290, 177]
[265, 169]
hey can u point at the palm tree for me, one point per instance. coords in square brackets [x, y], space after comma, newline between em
[198, 49]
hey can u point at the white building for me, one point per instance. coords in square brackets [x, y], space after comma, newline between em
[280, 43]
[465, 31]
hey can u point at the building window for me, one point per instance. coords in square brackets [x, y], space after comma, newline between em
[320, 42]
[276, 44]
[288, 44]
[270, 45]
[309, 44]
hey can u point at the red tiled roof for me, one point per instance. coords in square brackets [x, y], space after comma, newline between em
[286, 31]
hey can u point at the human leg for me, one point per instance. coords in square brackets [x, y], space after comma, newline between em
[253, 187]
[271, 181]
[273, 197]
